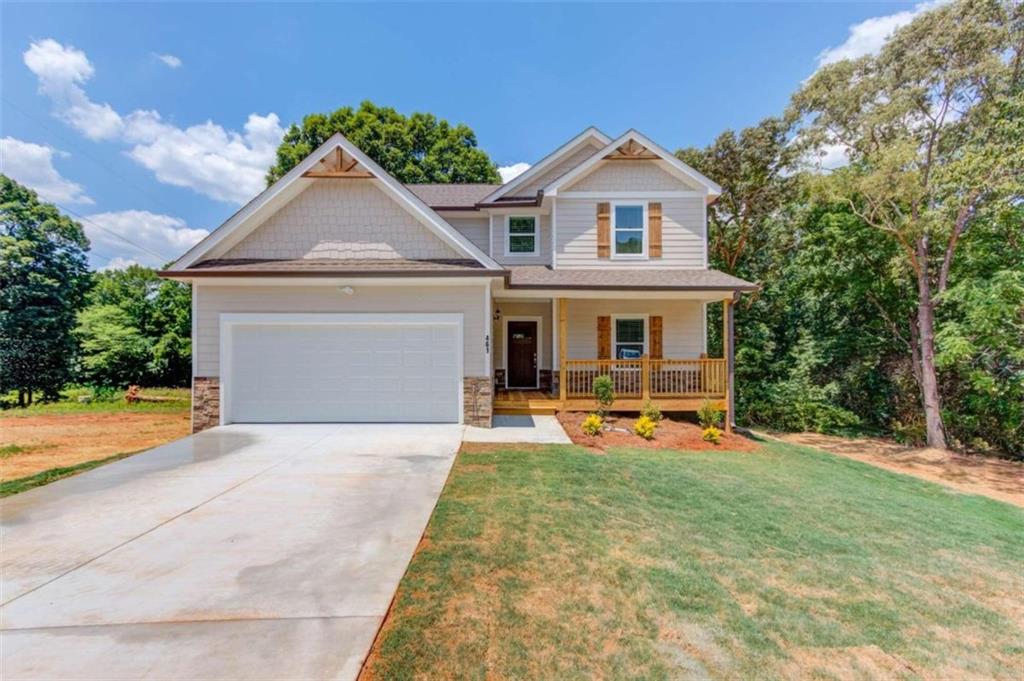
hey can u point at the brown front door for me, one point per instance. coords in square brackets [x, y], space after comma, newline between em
[522, 354]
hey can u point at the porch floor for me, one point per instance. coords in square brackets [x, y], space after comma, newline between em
[514, 401]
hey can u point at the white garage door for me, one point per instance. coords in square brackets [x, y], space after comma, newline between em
[342, 368]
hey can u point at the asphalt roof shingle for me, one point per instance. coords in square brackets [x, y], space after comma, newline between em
[451, 195]
[331, 266]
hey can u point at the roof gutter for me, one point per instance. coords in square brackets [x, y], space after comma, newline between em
[327, 274]
[620, 287]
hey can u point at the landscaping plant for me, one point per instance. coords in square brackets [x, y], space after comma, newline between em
[644, 427]
[712, 434]
[593, 424]
[709, 415]
[604, 393]
[652, 412]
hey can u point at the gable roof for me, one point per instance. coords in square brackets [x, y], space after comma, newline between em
[548, 161]
[671, 164]
[267, 202]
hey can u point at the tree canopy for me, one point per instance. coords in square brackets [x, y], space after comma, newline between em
[934, 128]
[43, 277]
[415, 148]
[136, 328]
[899, 274]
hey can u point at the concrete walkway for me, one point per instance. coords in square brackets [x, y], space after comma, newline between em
[530, 429]
[267, 552]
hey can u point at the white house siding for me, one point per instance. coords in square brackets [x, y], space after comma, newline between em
[213, 300]
[342, 219]
[476, 229]
[682, 229]
[625, 176]
[574, 159]
[682, 325]
[517, 308]
[543, 256]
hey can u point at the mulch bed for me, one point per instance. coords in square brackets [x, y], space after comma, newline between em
[670, 434]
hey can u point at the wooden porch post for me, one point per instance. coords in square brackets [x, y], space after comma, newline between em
[727, 354]
[563, 342]
[645, 377]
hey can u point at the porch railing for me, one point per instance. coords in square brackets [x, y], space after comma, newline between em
[648, 378]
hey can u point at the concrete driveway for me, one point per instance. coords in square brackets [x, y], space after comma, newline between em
[257, 552]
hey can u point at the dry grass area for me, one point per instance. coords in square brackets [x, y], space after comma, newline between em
[560, 562]
[996, 478]
[670, 434]
[34, 443]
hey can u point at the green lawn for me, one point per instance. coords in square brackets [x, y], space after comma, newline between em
[557, 563]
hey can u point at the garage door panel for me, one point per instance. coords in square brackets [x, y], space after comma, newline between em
[344, 372]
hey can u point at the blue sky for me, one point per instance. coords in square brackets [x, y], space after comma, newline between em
[154, 122]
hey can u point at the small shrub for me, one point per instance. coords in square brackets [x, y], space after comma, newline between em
[593, 424]
[651, 411]
[604, 393]
[644, 427]
[709, 415]
[712, 434]
[105, 393]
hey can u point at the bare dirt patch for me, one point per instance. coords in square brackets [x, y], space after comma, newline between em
[57, 440]
[670, 434]
[998, 479]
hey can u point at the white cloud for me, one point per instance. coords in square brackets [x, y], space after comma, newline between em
[32, 165]
[868, 36]
[219, 163]
[509, 173]
[57, 66]
[223, 164]
[170, 60]
[61, 72]
[157, 234]
[118, 263]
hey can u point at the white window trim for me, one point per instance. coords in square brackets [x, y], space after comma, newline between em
[540, 347]
[642, 255]
[508, 237]
[647, 331]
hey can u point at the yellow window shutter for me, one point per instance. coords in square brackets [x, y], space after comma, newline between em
[604, 230]
[654, 229]
[657, 346]
[604, 337]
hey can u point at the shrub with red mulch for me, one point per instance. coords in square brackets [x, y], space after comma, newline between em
[670, 434]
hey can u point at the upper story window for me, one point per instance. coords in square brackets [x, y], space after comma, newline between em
[521, 235]
[629, 229]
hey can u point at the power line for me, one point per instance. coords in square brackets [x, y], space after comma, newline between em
[113, 233]
[80, 151]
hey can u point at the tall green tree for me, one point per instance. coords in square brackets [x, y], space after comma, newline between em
[43, 278]
[754, 169]
[114, 351]
[154, 314]
[934, 128]
[415, 148]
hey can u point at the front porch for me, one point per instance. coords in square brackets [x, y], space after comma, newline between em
[672, 384]
[560, 377]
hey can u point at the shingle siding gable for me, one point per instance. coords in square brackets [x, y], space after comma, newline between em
[342, 219]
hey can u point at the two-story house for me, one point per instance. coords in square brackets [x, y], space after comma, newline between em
[341, 295]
